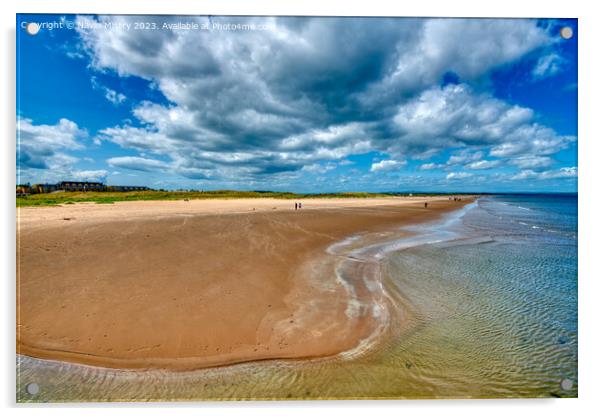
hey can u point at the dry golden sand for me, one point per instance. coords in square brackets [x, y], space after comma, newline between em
[191, 284]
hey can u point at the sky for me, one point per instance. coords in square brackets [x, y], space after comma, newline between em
[298, 104]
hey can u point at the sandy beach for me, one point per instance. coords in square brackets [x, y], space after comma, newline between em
[191, 284]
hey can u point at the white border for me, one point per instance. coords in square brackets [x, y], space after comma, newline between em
[590, 176]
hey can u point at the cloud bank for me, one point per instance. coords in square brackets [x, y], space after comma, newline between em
[308, 93]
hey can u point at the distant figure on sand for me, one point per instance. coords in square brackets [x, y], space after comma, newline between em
[299, 205]
[426, 204]
[296, 206]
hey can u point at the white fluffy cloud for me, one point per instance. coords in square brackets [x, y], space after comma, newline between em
[467, 159]
[455, 116]
[114, 96]
[42, 146]
[532, 140]
[484, 164]
[42, 152]
[463, 157]
[432, 165]
[310, 91]
[137, 163]
[98, 175]
[111, 95]
[567, 172]
[319, 168]
[467, 47]
[458, 175]
[532, 162]
[387, 165]
[548, 65]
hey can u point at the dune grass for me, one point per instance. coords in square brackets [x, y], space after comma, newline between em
[59, 198]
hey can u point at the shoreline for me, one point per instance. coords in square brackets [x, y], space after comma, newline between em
[306, 317]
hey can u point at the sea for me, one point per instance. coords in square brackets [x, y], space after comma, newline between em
[495, 292]
[486, 307]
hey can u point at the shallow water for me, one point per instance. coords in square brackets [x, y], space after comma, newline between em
[485, 305]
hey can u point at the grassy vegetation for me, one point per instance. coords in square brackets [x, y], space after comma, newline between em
[58, 198]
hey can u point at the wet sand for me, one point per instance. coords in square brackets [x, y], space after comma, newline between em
[191, 284]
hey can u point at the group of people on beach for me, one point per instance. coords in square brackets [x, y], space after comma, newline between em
[456, 198]
[297, 205]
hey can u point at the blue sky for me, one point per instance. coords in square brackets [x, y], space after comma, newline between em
[299, 104]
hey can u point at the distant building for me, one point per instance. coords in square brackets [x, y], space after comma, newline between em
[119, 188]
[75, 186]
[81, 186]
[44, 188]
[23, 190]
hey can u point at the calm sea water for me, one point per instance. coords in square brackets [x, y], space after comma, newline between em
[487, 307]
[496, 300]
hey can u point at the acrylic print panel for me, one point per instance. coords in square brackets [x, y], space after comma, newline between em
[295, 208]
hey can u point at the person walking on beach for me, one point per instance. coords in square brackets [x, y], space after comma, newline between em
[295, 206]
[299, 205]
[426, 204]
